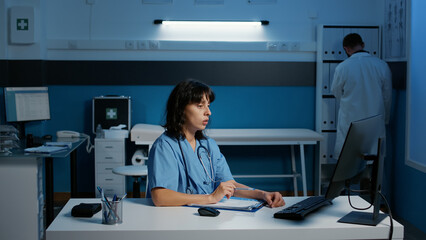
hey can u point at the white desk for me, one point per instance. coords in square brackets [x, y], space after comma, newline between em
[21, 184]
[146, 134]
[142, 220]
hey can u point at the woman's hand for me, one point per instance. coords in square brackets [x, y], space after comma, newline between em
[224, 189]
[273, 199]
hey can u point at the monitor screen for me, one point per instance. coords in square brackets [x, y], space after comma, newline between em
[363, 142]
[361, 139]
[26, 104]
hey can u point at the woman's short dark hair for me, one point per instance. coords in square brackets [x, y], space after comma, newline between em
[351, 40]
[184, 93]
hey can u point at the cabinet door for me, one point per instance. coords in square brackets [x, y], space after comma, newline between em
[370, 37]
[326, 78]
[324, 149]
[332, 71]
[328, 114]
[327, 148]
[332, 42]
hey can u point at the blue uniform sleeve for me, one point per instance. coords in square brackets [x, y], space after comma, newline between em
[222, 171]
[163, 166]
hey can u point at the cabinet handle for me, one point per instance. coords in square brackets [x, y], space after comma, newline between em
[108, 157]
[109, 147]
[108, 168]
[109, 179]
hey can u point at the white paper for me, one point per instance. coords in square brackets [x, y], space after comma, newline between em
[233, 203]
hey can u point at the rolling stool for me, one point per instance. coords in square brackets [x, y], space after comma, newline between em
[134, 171]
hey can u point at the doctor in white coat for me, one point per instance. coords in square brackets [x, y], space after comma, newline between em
[362, 86]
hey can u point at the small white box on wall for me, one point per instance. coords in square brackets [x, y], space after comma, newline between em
[21, 25]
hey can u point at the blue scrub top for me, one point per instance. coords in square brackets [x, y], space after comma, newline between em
[166, 167]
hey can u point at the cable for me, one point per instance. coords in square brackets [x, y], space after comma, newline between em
[89, 146]
[390, 215]
[386, 203]
[357, 191]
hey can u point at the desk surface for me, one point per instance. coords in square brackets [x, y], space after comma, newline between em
[148, 133]
[142, 220]
[20, 153]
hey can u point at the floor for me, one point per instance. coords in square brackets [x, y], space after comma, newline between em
[410, 231]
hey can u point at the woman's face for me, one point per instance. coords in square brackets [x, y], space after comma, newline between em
[197, 116]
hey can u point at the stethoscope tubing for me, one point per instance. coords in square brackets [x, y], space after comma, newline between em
[211, 177]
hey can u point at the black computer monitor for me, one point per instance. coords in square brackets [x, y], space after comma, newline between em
[363, 143]
[23, 104]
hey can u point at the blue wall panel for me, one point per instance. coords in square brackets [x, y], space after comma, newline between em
[234, 107]
[408, 184]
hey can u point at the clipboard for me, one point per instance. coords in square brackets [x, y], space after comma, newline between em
[235, 203]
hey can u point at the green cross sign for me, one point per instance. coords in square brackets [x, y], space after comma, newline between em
[22, 24]
[111, 113]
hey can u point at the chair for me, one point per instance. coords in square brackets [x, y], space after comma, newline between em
[135, 171]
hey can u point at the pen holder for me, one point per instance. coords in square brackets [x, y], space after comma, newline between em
[112, 212]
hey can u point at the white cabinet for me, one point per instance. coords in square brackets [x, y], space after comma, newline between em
[109, 154]
[332, 38]
[22, 201]
[330, 53]
[327, 148]
[328, 114]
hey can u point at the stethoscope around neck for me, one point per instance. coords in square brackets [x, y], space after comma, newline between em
[209, 175]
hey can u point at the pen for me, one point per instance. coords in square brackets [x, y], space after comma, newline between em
[123, 197]
[108, 204]
[239, 188]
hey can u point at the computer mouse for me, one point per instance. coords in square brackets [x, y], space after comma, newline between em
[208, 211]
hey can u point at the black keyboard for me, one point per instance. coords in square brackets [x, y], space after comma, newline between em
[299, 210]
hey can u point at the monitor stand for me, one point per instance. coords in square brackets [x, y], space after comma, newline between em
[368, 218]
[364, 218]
[20, 126]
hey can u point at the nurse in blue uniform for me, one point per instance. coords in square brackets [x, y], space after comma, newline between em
[187, 167]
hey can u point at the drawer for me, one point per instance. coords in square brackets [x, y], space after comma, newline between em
[109, 148]
[106, 168]
[109, 144]
[109, 179]
[117, 157]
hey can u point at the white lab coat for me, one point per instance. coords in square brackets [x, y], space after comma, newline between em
[362, 86]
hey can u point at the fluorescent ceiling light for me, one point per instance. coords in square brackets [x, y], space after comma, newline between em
[211, 23]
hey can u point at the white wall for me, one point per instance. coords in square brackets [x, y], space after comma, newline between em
[75, 30]
[24, 51]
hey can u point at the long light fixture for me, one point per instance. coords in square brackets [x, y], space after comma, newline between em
[211, 22]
